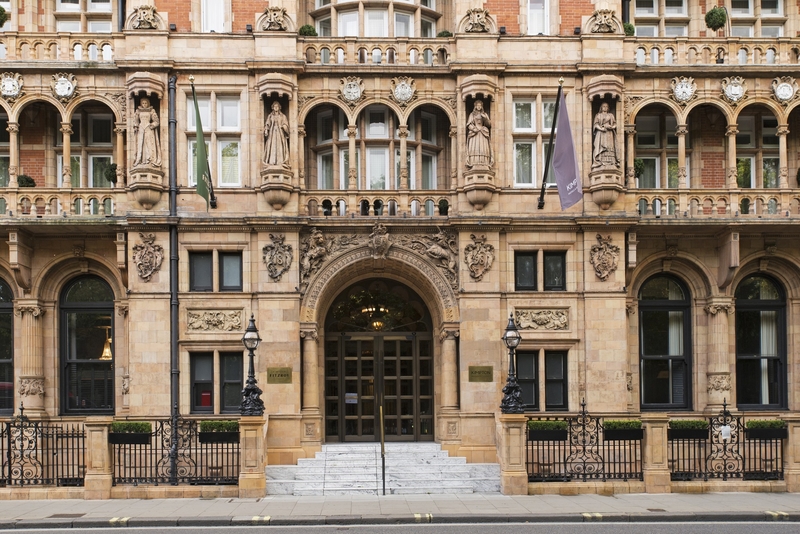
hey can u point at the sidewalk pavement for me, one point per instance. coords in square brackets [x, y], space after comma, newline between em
[370, 509]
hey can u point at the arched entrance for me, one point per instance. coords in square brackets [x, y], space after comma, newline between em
[378, 353]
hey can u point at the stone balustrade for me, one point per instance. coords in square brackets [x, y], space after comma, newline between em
[761, 203]
[52, 202]
[653, 52]
[361, 51]
[57, 46]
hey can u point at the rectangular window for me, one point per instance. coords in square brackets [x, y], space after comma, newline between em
[5, 135]
[555, 380]
[325, 171]
[100, 5]
[525, 271]
[675, 7]
[213, 12]
[537, 17]
[230, 271]
[524, 116]
[74, 167]
[200, 271]
[646, 30]
[375, 25]
[202, 373]
[68, 5]
[100, 129]
[771, 30]
[524, 164]
[548, 112]
[99, 166]
[228, 113]
[675, 30]
[324, 27]
[204, 105]
[193, 161]
[744, 173]
[71, 26]
[428, 126]
[4, 177]
[377, 164]
[647, 129]
[325, 127]
[771, 8]
[663, 364]
[348, 24]
[428, 171]
[99, 26]
[645, 7]
[741, 30]
[769, 132]
[6, 360]
[555, 271]
[648, 175]
[377, 123]
[746, 137]
[231, 384]
[403, 25]
[770, 172]
[228, 162]
[741, 7]
[427, 28]
[527, 374]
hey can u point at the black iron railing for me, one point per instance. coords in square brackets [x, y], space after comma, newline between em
[38, 453]
[582, 452]
[725, 452]
[197, 462]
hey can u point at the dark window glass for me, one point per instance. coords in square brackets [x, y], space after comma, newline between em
[527, 372]
[525, 271]
[5, 136]
[231, 379]
[555, 376]
[664, 344]
[555, 271]
[6, 349]
[101, 130]
[200, 271]
[230, 271]
[202, 370]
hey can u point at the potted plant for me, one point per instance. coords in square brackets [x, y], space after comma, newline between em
[687, 429]
[111, 173]
[219, 431]
[23, 180]
[766, 429]
[444, 33]
[307, 30]
[629, 29]
[715, 18]
[130, 433]
[547, 430]
[622, 429]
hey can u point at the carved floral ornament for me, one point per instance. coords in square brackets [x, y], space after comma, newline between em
[477, 20]
[542, 319]
[148, 256]
[215, 320]
[277, 256]
[604, 257]
[603, 21]
[713, 309]
[720, 382]
[275, 19]
[478, 256]
[35, 311]
[145, 17]
[31, 387]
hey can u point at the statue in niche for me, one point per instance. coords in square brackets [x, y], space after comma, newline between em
[604, 153]
[276, 138]
[145, 129]
[479, 148]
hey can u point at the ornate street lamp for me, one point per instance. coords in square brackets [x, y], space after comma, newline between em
[512, 402]
[251, 394]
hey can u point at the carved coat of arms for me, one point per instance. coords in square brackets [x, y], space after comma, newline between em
[479, 257]
[604, 257]
[379, 241]
[148, 256]
[277, 256]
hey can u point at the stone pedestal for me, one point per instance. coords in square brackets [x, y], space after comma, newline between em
[147, 184]
[311, 440]
[252, 477]
[655, 463]
[276, 184]
[605, 186]
[791, 454]
[511, 454]
[99, 477]
[479, 186]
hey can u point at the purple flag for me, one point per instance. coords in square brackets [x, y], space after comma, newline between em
[565, 161]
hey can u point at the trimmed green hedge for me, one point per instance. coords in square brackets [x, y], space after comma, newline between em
[622, 424]
[23, 180]
[688, 424]
[629, 29]
[716, 17]
[307, 30]
[765, 423]
[444, 33]
[127, 427]
[219, 426]
[536, 424]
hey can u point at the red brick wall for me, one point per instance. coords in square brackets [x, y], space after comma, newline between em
[506, 12]
[244, 13]
[711, 153]
[31, 152]
[571, 13]
[178, 13]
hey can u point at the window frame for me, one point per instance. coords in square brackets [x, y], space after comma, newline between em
[92, 159]
[554, 254]
[532, 357]
[238, 384]
[222, 271]
[564, 381]
[194, 382]
[519, 255]
[214, 20]
[7, 313]
[222, 144]
[544, 26]
[196, 256]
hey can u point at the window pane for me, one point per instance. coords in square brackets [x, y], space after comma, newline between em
[523, 163]
[230, 272]
[4, 176]
[554, 271]
[554, 366]
[645, 7]
[523, 115]
[656, 381]
[229, 163]
[744, 172]
[213, 15]
[204, 105]
[88, 289]
[100, 130]
[100, 166]
[377, 169]
[324, 27]
[228, 109]
[200, 271]
[537, 20]
[375, 25]
[770, 172]
[757, 288]
[427, 28]
[548, 111]
[348, 24]
[428, 171]
[403, 25]
[770, 7]
[672, 173]
[202, 369]
[655, 332]
[525, 271]
[740, 7]
[648, 178]
[325, 178]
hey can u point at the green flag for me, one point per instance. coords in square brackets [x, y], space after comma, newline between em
[203, 176]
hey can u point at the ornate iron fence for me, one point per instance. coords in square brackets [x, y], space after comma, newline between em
[39, 453]
[196, 462]
[582, 452]
[725, 452]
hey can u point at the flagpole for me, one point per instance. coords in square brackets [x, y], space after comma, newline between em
[552, 142]
[200, 140]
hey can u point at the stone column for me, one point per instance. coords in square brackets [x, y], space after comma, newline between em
[731, 132]
[718, 369]
[119, 153]
[352, 170]
[310, 368]
[681, 132]
[783, 165]
[403, 157]
[66, 171]
[511, 454]
[301, 160]
[449, 370]
[630, 155]
[31, 376]
[13, 153]
[252, 440]
[655, 464]
[99, 477]
[453, 158]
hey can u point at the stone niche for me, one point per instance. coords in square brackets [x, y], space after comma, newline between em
[146, 178]
[606, 169]
[276, 180]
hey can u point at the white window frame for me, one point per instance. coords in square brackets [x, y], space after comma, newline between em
[68, 26]
[387, 183]
[66, 6]
[322, 136]
[675, 30]
[547, 128]
[778, 33]
[742, 30]
[372, 15]
[518, 183]
[192, 160]
[223, 101]
[752, 170]
[320, 182]
[532, 104]
[98, 6]
[737, 12]
[60, 166]
[688, 172]
[679, 13]
[434, 181]
[327, 31]
[213, 16]
[343, 15]
[543, 24]
[431, 24]
[771, 131]
[657, 165]
[96, 117]
[92, 158]
[746, 125]
[425, 116]
[647, 30]
[779, 12]
[409, 24]
[645, 12]
[204, 103]
[368, 115]
[223, 142]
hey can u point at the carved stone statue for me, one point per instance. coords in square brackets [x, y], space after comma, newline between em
[276, 138]
[479, 148]
[145, 128]
[604, 153]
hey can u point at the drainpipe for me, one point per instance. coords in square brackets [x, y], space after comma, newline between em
[173, 280]
[120, 15]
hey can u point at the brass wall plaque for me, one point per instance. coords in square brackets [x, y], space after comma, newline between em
[481, 373]
[279, 375]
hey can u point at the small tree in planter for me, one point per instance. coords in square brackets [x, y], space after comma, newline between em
[715, 18]
[444, 33]
[546, 430]
[219, 431]
[111, 174]
[766, 429]
[307, 30]
[622, 429]
[687, 429]
[629, 29]
[130, 433]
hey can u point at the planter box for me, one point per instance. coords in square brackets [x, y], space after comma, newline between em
[623, 434]
[766, 433]
[129, 438]
[219, 437]
[547, 435]
[687, 433]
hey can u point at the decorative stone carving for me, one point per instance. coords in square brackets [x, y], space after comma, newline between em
[604, 149]
[734, 89]
[277, 256]
[478, 256]
[145, 130]
[303, 100]
[713, 309]
[542, 319]
[770, 249]
[604, 257]
[78, 251]
[442, 248]
[629, 381]
[351, 90]
[404, 90]
[630, 103]
[477, 20]
[274, 19]
[684, 89]
[144, 18]
[672, 251]
[120, 99]
[604, 22]
[64, 86]
[310, 430]
[451, 100]
[448, 334]
[316, 249]
[479, 141]
[221, 321]
[784, 89]
[35, 311]
[719, 383]
[148, 256]
[126, 384]
[379, 241]
[452, 428]
[122, 310]
[630, 308]
[309, 333]
[31, 387]
[11, 86]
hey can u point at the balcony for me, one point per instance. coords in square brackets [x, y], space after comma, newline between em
[351, 51]
[653, 52]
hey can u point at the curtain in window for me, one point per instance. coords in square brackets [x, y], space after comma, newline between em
[769, 347]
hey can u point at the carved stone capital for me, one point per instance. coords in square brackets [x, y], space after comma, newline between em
[122, 310]
[681, 130]
[13, 127]
[446, 334]
[309, 333]
[783, 129]
[630, 308]
[713, 309]
[731, 129]
[34, 311]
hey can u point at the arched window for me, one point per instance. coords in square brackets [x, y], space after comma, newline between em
[664, 344]
[6, 348]
[87, 346]
[760, 344]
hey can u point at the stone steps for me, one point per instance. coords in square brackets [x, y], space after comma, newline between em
[411, 468]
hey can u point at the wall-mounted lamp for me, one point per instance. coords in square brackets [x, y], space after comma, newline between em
[173, 27]
[249, 28]
[577, 30]
[502, 30]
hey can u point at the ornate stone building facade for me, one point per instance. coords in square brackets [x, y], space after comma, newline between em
[377, 187]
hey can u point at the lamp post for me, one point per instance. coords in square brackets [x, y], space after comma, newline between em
[251, 394]
[512, 403]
